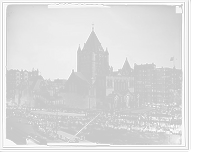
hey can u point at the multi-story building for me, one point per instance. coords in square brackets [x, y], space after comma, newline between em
[112, 90]
[156, 85]
[14, 78]
[58, 84]
[37, 92]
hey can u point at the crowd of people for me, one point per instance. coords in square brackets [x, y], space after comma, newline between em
[175, 112]
[104, 122]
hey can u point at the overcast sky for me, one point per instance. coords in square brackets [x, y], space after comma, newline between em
[48, 38]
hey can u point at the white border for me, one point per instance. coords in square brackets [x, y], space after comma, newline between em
[186, 88]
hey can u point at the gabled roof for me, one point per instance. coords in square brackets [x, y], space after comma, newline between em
[79, 48]
[81, 78]
[126, 65]
[93, 43]
[126, 68]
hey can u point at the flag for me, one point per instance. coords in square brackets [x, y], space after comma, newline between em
[172, 59]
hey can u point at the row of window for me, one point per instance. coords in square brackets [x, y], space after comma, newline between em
[86, 58]
[25, 75]
[155, 95]
[109, 82]
[159, 87]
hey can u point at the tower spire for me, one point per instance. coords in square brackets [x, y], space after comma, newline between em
[92, 26]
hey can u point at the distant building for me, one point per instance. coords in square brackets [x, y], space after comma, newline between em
[18, 80]
[38, 91]
[58, 84]
[155, 85]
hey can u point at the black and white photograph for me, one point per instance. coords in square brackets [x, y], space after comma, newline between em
[95, 76]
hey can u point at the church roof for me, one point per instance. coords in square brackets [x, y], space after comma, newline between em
[79, 48]
[126, 68]
[126, 65]
[93, 43]
[81, 78]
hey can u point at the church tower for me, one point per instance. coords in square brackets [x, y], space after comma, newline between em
[92, 59]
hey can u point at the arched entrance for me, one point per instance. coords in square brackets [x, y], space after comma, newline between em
[138, 101]
[116, 103]
[128, 99]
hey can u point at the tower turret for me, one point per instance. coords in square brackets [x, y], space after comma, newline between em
[79, 62]
[107, 56]
[92, 60]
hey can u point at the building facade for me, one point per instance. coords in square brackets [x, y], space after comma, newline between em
[157, 85]
[14, 78]
[111, 90]
[37, 92]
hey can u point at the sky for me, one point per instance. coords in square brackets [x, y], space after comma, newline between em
[47, 39]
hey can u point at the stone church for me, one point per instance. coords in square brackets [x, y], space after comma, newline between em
[96, 81]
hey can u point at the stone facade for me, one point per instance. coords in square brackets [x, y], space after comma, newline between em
[96, 80]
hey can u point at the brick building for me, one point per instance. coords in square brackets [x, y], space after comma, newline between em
[157, 85]
[18, 80]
